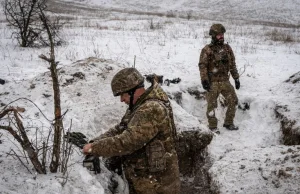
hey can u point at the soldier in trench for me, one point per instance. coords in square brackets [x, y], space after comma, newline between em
[145, 137]
[216, 63]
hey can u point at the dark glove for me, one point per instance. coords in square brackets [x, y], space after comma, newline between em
[2, 82]
[205, 85]
[237, 84]
[76, 138]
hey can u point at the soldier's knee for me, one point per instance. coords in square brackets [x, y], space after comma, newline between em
[232, 102]
[236, 100]
[212, 104]
[210, 113]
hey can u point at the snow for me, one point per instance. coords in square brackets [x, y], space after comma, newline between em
[253, 10]
[251, 160]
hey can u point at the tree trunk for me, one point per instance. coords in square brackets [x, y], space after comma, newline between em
[58, 124]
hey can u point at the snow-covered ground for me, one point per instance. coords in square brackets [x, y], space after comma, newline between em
[102, 40]
[277, 11]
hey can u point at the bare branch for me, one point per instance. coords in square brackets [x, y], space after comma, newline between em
[12, 132]
[67, 149]
[5, 108]
[23, 140]
[21, 161]
[45, 58]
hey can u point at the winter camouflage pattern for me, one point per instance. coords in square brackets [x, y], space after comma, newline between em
[145, 137]
[215, 64]
[216, 29]
[125, 80]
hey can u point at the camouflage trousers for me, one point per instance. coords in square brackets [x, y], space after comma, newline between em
[226, 89]
[166, 182]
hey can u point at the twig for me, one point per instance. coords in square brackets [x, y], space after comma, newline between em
[25, 156]
[9, 139]
[36, 140]
[21, 161]
[46, 58]
[3, 110]
[65, 178]
[66, 152]
[13, 155]
[44, 155]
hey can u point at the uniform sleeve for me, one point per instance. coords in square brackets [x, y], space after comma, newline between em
[109, 133]
[140, 130]
[203, 63]
[232, 66]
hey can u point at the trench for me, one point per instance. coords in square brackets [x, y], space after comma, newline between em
[290, 132]
[193, 157]
[194, 173]
[194, 165]
[290, 129]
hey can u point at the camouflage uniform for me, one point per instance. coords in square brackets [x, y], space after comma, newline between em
[216, 61]
[145, 140]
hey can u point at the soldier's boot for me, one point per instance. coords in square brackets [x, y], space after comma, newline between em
[231, 127]
[215, 130]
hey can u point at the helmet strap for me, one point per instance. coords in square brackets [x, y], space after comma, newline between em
[131, 94]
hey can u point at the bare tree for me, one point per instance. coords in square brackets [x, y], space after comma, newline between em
[28, 16]
[24, 15]
[50, 27]
[58, 124]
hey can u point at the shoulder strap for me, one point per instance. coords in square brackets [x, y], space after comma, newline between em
[169, 112]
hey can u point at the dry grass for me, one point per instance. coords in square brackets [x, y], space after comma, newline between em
[280, 35]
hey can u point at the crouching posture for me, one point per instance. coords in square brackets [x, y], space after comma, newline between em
[145, 137]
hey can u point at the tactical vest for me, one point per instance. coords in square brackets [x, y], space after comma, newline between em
[152, 157]
[219, 62]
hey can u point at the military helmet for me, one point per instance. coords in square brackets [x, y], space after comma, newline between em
[126, 80]
[216, 29]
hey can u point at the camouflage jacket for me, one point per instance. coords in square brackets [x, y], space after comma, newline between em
[145, 139]
[216, 61]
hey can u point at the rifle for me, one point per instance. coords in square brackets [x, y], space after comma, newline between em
[159, 79]
[78, 139]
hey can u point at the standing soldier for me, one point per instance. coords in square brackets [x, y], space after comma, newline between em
[216, 61]
[145, 137]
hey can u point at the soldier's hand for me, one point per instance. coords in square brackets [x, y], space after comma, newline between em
[237, 84]
[87, 149]
[205, 85]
